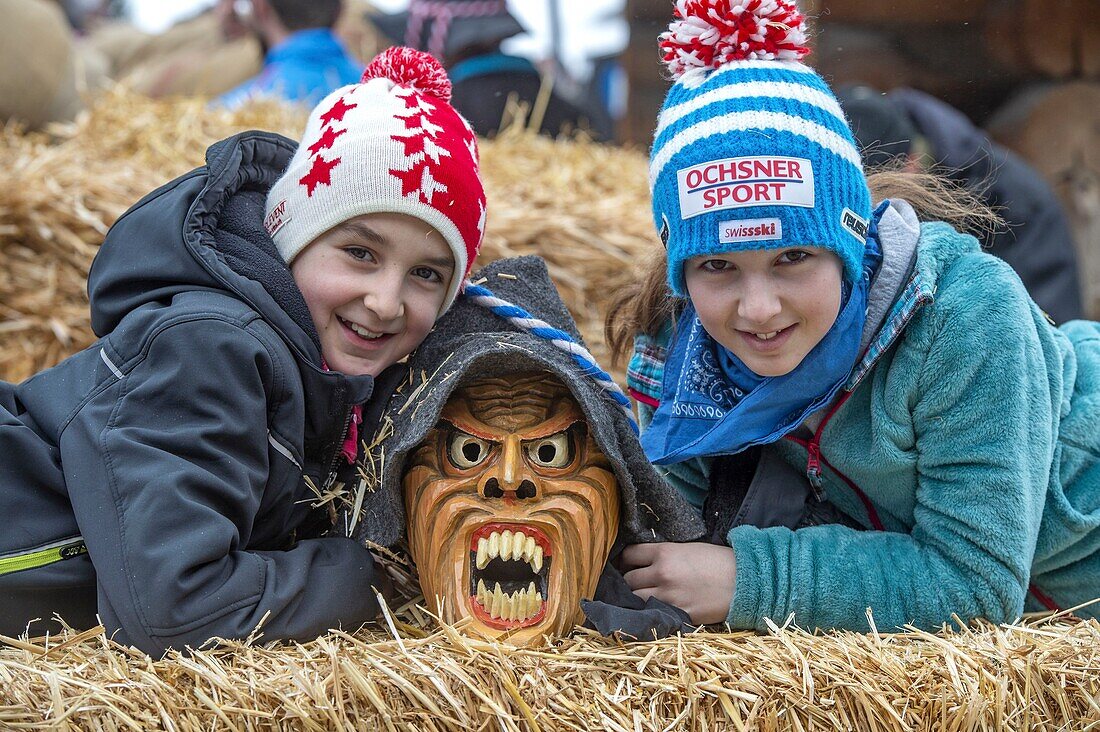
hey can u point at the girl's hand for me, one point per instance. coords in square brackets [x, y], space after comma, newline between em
[698, 578]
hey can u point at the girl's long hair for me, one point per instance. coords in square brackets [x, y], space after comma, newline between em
[647, 303]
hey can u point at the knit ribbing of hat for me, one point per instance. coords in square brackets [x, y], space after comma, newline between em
[558, 338]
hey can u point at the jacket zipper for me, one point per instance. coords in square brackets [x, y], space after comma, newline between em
[330, 477]
[59, 550]
[814, 461]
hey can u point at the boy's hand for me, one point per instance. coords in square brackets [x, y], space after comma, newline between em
[698, 578]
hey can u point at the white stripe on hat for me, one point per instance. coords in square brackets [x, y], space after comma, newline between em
[691, 79]
[740, 90]
[753, 120]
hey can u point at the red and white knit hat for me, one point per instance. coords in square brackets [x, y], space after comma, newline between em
[392, 144]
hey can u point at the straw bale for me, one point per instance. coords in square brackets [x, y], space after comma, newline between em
[407, 671]
[400, 676]
[581, 205]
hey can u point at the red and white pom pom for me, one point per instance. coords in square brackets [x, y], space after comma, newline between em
[709, 33]
[412, 68]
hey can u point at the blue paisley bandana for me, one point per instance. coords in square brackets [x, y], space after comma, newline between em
[712, 404]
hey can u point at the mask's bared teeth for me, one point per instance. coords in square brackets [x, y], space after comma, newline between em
[520, 605]
[482, 553]
[506, 545]
[519, 541]
[494, 545]
[536, 559]
[532, 605]
[515, 607]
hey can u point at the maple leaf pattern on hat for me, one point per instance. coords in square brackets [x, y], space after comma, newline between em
[328, 136]
[337, 111]
[429, 138]
[320, 172]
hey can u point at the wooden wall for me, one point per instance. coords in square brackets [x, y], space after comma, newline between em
[972, 53]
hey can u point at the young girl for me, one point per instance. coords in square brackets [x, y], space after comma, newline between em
[906, 373]
[162, 479]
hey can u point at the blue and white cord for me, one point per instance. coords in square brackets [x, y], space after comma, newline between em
[559, 338]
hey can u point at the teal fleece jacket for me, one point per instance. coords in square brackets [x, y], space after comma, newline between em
[970, 434]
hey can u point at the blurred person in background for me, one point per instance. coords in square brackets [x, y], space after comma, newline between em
[466, 35]
[83, 15]
[43, 75]
[303, 59]
[927, 133]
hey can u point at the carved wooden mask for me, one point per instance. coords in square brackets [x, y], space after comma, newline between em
[511, 508]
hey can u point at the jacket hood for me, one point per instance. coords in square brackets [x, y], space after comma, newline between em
[898, 233]
[204, 230]
[471, 341]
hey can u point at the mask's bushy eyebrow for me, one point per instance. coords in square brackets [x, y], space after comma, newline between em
[448, 426]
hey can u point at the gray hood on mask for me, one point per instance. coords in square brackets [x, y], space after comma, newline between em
[470, 342]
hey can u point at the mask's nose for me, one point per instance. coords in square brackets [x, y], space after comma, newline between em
[510, 477]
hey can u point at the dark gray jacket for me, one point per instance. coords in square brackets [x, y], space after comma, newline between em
[1036, 239]
[157, 478]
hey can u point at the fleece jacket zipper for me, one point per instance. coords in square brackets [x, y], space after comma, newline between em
[814, 460]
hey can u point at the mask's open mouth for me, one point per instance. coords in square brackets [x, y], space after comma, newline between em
[509, 574]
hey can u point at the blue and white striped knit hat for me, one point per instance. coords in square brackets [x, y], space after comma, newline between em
[752, 150]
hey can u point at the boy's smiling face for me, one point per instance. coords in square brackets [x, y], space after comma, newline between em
[374, 286]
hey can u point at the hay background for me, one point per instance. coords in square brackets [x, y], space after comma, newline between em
[584, 208]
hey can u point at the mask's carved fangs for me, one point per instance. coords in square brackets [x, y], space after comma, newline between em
[509, 574]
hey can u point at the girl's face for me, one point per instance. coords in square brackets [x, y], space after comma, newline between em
[374, 286]
[770, 307]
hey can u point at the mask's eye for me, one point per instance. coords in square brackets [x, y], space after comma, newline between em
[465, 451]
[554, 451]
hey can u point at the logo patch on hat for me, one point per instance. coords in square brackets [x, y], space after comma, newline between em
[855, 225]
[275, 220]
[731, 232]
[764, 180]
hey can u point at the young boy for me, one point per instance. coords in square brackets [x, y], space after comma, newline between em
[162, 479]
